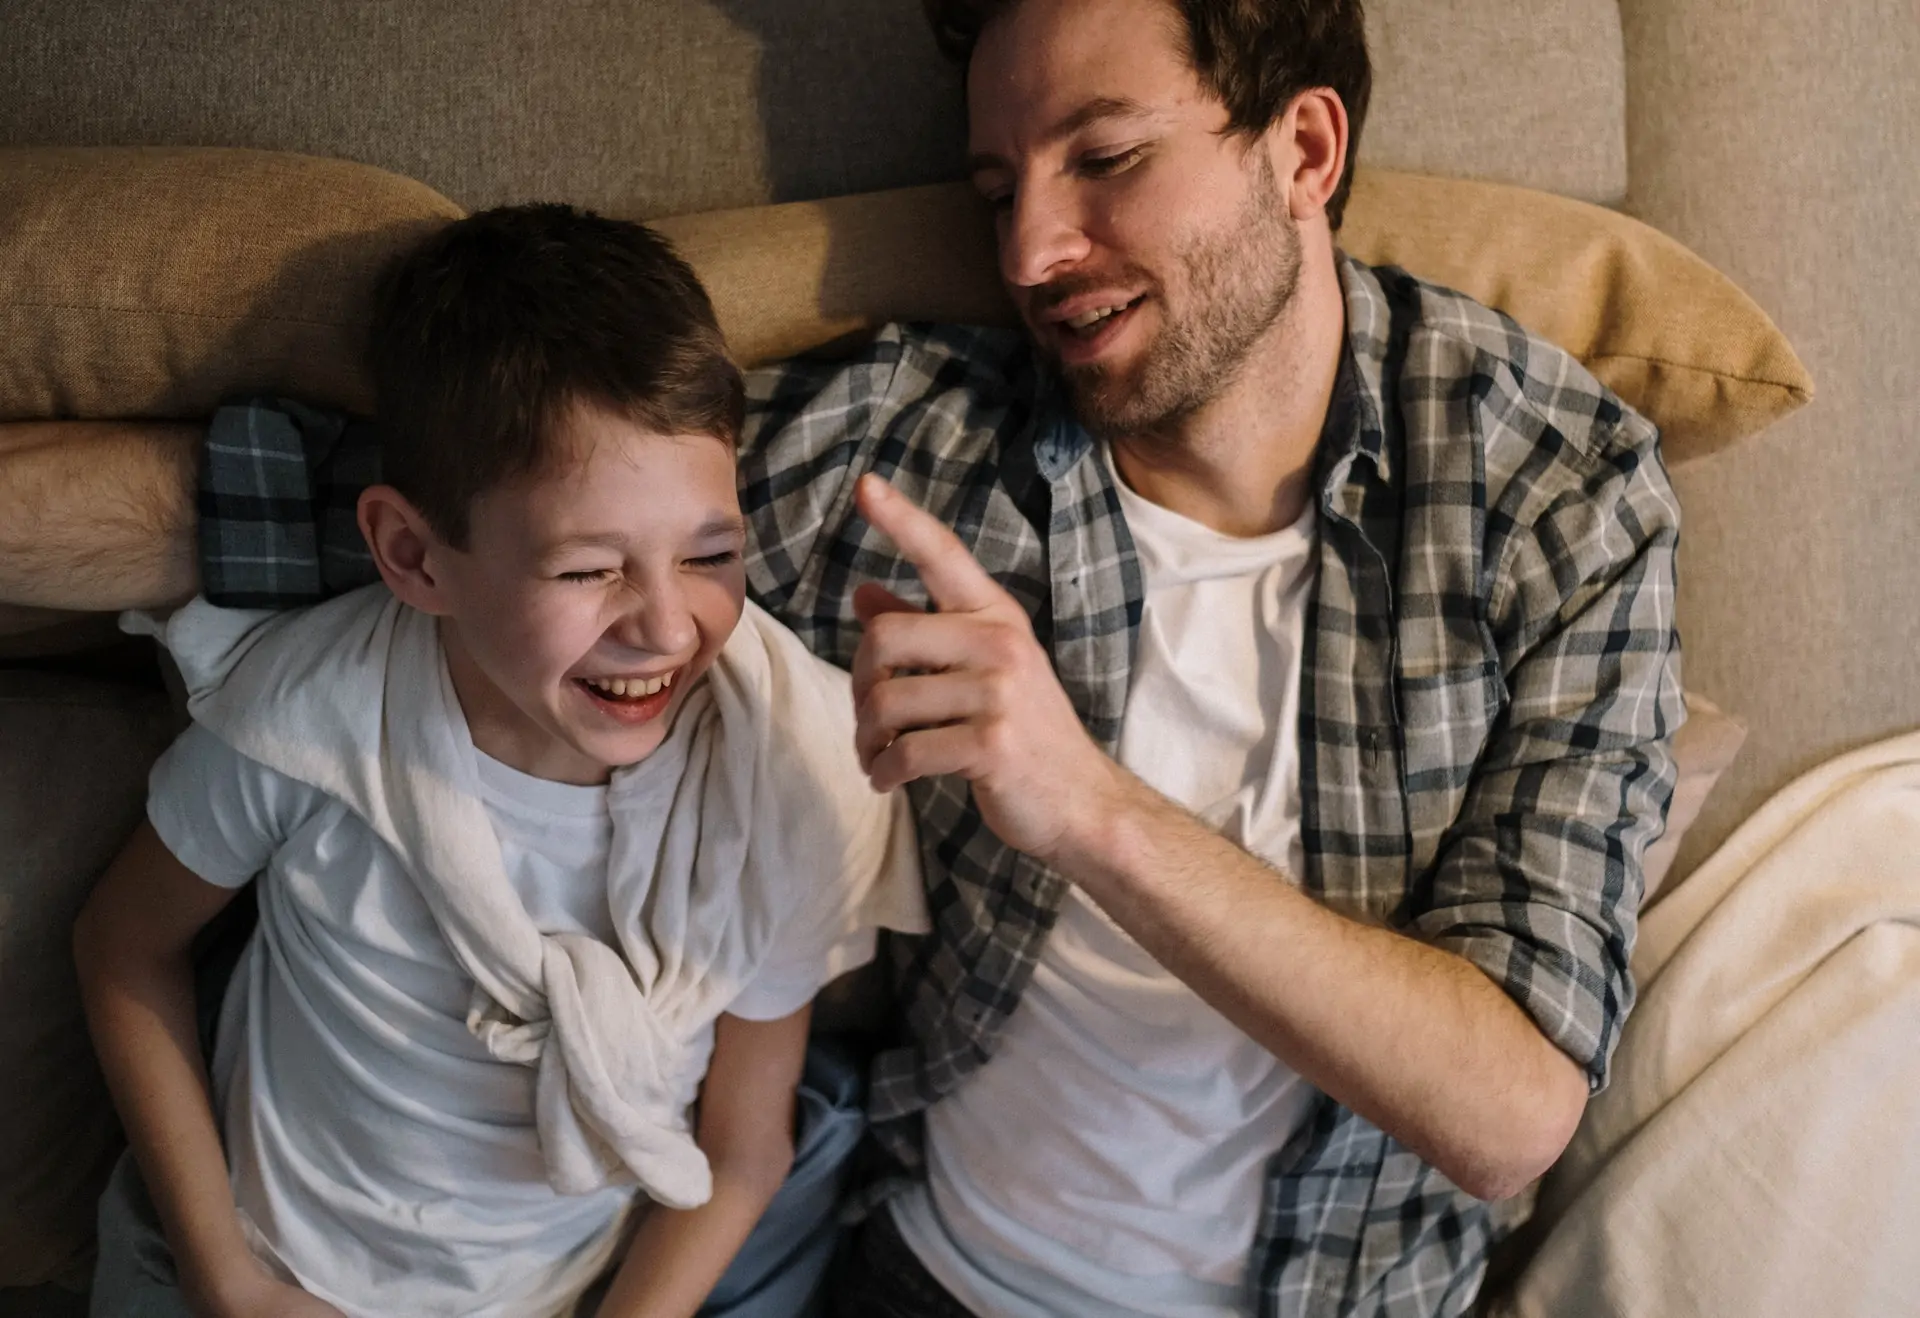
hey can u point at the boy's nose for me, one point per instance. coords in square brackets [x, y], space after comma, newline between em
[657, 622]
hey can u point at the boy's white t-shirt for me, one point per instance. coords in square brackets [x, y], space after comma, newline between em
[380, 1155]
[1110, 1159]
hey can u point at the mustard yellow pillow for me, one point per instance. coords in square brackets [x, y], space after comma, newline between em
[151, 282]
[1662, 328]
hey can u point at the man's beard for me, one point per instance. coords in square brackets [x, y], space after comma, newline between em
[1238, 284]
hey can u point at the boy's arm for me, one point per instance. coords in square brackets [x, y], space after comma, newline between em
[746, 1130]
[97, 514]
[132, 945]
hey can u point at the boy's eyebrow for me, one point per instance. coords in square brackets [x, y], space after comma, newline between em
[718, 526]
[1100, 107]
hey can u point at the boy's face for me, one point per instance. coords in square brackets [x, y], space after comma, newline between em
[590, 598]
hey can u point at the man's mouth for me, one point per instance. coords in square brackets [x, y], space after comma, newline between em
[1080, 330]
[1086, 324]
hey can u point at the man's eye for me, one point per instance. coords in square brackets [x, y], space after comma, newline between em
[596, 574]
[1107, 166]
[714, 560]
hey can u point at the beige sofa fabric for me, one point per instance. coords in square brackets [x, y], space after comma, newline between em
[664, 107]
[1779, 139]
[1511, 91]
[73, 780]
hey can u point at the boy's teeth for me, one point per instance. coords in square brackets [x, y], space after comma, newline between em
[625, 686]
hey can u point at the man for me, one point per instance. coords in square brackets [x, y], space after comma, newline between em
[1283, 777]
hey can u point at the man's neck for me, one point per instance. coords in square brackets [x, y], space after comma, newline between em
[1243, 464]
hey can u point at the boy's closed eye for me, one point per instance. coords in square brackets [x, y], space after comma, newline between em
[704, 561]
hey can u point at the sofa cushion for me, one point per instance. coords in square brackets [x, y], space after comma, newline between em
[1654, 322]
[74, 756]
[152, 282]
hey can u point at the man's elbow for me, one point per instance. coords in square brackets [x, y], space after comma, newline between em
[1519, 1147]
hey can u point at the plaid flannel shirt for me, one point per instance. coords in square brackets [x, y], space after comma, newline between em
[1490, 686]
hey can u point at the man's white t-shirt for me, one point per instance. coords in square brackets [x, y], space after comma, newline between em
[1110, 1159]
[380, 1156]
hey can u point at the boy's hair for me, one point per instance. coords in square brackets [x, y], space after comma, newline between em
[1255, 56]
[488, 334]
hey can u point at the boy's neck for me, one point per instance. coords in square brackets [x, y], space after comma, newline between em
[502, 730]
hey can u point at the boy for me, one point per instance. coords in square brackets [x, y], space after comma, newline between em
[548, 846]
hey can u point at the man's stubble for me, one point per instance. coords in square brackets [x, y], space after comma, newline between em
[1238, 284]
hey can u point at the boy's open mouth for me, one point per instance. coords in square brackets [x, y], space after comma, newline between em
[629, 699]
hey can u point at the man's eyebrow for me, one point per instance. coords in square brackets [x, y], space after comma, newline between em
[721, 524]
[1100, 107]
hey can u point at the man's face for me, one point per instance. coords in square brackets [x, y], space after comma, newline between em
[1148, 252]
[590, 598]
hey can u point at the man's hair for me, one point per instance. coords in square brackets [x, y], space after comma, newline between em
[1254, 55]
[489, 334]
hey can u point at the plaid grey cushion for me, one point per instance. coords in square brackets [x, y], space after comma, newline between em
[1489, 692]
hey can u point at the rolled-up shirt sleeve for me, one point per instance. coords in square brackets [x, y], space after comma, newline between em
[1539, 881]
[279, 486]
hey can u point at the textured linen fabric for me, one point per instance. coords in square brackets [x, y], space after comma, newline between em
[1490, 686]
[1533, 93]
[1800, 575]
[1759, 1151]
[154, 283]
[682, 105]
[74, 755]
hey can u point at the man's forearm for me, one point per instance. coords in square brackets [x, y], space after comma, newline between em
[1415, 1039]
[97, 515]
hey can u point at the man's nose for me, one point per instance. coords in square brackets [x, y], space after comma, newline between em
[656, 619]
[1044, 235]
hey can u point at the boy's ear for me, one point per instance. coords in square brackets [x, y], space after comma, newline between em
[405, 549]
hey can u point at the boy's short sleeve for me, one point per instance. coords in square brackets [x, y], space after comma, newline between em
[838, 931]
[833, 925]
[221, 814]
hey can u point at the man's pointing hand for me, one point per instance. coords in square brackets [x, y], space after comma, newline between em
[969, 691]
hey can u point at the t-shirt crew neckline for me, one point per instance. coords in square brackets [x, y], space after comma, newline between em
[1183, 549]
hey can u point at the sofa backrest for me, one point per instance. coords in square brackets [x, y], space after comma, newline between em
[663, 107]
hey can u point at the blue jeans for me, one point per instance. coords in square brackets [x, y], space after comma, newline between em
[777, 1274]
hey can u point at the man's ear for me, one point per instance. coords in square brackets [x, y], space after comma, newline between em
[1309, 145]
[405, 549]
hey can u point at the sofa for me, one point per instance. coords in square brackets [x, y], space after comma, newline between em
[1774, 138]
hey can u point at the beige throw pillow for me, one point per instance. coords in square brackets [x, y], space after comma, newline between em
[151, 282]
[1655, 323]
[1704, 747]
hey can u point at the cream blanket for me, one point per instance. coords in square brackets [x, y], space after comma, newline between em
[708, 862]
[1758, 1151]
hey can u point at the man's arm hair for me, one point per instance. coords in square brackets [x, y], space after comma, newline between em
[98, 515]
